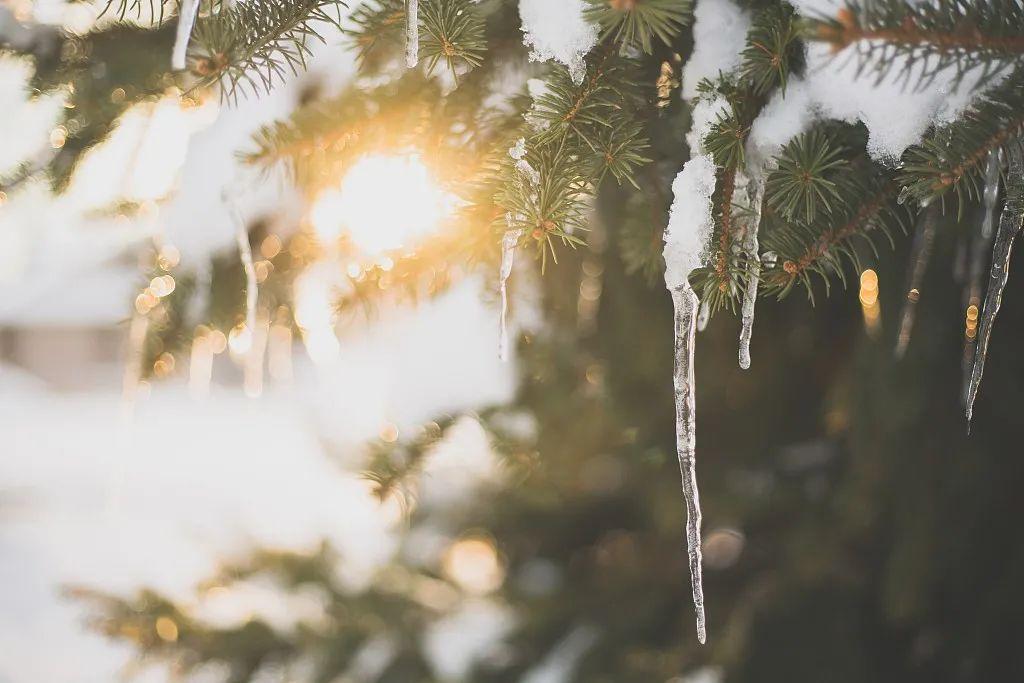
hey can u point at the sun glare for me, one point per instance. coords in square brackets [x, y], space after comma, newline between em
[384, 203]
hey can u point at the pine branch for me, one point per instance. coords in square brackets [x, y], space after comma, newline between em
[122, 9]
[554, 210]
[634, 24]
[803, 251]
[773, 50]
[952, 157]
[379, 31]
[566, 108]
[453, 33]
[257, 43]
[810, 177]
[928, 37]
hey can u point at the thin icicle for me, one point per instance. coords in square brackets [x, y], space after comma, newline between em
[245, 254]
[1009, 225]
[186, 20]
[253, 359]
[412, 33]
[508, 254]
[751, 247]
[529, 176]
[981, 243]
[703, 316]
[920, 255]
[686, 307]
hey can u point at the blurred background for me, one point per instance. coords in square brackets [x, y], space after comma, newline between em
[378, 498]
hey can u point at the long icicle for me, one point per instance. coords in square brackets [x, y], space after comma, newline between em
[981, 242]
[686, 307]
[508, 254]
[186, 20]
[753, 260]
[412, 33]
[920, 255]
[1009, 225]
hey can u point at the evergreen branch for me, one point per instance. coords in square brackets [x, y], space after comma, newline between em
[565, 107]
[804, 252]
[379, 29]
[935, 36]
[554, 209]
[122, 9]
[809, 174]
[454, 32]
[773, 50]
[257, 43]
[952, 157]
[634, 24]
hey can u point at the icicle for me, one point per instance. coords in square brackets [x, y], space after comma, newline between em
[686, 305]
[1009, 226]
[751, 247]
[703, 316]
[186, 20]
[412, 33]
[508, 253]
[920, 254]
[687, 237]
[252, 356]
[980, 245]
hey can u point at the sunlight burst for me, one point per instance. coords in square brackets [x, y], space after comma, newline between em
[384, 203]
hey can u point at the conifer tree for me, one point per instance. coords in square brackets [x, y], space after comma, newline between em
[794, 196]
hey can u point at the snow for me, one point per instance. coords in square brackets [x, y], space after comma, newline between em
[690, 222]
[205, 481]
[705, 112]
[556, 29]
[719, 36]
[897, 115]
[786, 115]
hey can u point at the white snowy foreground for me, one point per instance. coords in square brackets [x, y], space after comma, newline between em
[86, 498]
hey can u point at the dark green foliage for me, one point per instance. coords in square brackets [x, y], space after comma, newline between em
[634, 24]
[553, 210]
[953, 157]
[773, 50]
[254, 45]
[977, 37]
[856, 210]
[453, 32]
[811, 170]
